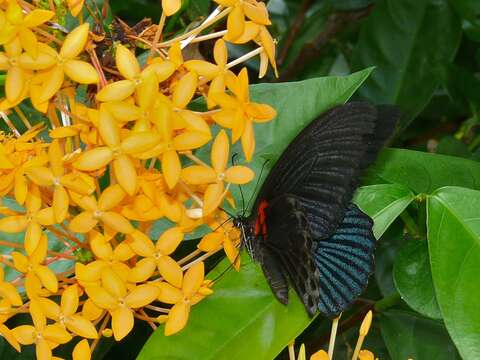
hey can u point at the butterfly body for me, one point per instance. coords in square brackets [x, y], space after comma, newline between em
[304, 230]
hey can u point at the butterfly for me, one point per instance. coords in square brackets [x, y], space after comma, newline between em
[304, 229]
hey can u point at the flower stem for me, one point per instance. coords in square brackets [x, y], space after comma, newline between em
[245, 57]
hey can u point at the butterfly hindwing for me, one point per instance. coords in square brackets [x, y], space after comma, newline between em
[345, 261]
[289, 241]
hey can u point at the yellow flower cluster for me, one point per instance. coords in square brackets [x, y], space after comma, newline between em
[98, 174]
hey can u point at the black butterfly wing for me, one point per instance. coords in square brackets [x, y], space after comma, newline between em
[286, 251]
[323, 164]
[345, 261]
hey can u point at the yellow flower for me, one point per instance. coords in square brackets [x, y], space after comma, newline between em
[143, 83]
[253, 10]
[65, 314]
[169, 118]
[79, 71]
[31, 265]
[194, 288]
[170, 7]
[101, 210]
[216, 73]
[217, 174]
[45, 337]
[17, 26]
[117, 151]
[8, 295]
[224, 234]
[107, 256]
[31, 221]
[20, 68]
[157, 256]
[114, 296]
[238, 113]
[56, 177]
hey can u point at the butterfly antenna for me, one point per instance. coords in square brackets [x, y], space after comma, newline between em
[239, 187]
[256, 185]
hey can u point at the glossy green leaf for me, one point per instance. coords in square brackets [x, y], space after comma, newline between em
[454, 243]
[410, 42]
[413, 278]
[383, 203]
[243, 311]
[411, 336]
[423, 172]
[241, 320]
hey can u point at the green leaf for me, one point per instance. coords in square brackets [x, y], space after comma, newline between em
[454, 243]
[410, 42]
[413, 278]
[423, 172]
[242, 319]
[383, 203]
[411, 336]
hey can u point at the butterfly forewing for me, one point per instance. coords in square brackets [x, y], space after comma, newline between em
[323, 164]
[307, 231]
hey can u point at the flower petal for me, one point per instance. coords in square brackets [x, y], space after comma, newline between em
[52, 84]
[117, 222]
[81, 326]
[83, 222]
[198, 174]
[37, 17]
[111, 197]
[101, 297]
[60, 203]
[126, 174]
[143, 269]
[116, 91]
[193, 279]
[212, 198]
[248, 141]
[220, 152]
[184, 90]
[94, 159]
[171, 168]
[81, 72]
[168, 293]
[211, 242]
[169, 240]
[14, 84]
[47, 278]
[170, 7]
[75, 41]
[239, 175]
[170, 270]
[69, 300]
[189, 140]
[236, 22]
[126, 63]
[142, 295]
[81, 351]
[177, 318]
[13, 224]
[122, 322]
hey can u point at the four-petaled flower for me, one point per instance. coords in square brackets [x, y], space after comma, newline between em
[194, 288]
[114, 296]
[238, 112]
[216, 175]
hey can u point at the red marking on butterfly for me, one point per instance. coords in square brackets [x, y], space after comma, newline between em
[261, 222]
